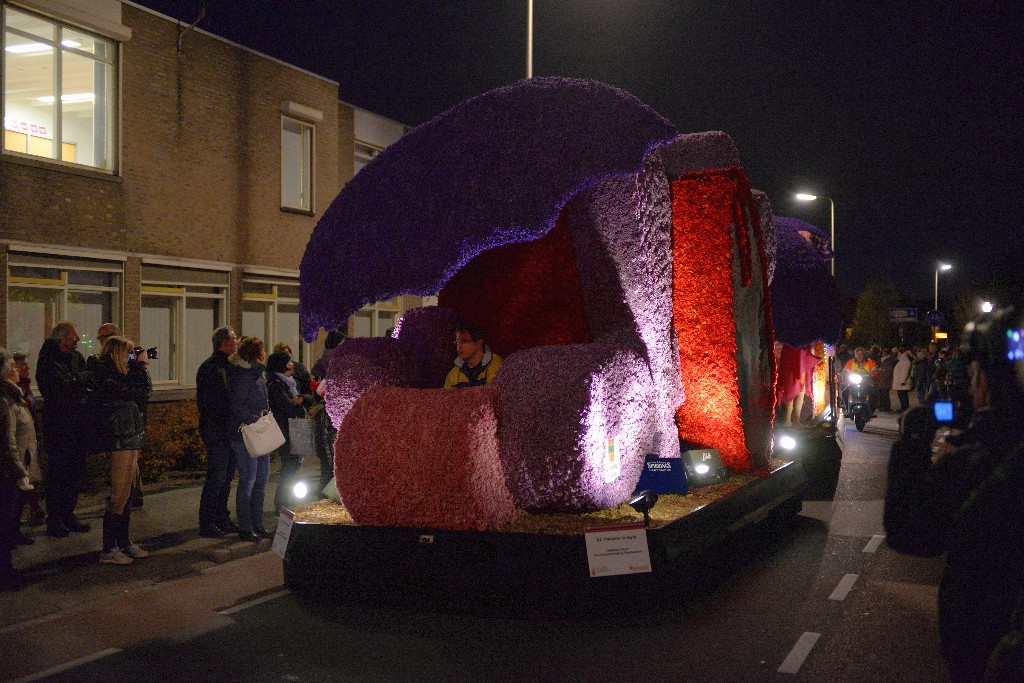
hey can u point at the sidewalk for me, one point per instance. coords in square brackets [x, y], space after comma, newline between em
[65, 575]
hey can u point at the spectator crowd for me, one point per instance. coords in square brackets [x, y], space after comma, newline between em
[99, 405]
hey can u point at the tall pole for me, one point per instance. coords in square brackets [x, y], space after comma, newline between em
[936, 289]
[529, 38]
[832, 231]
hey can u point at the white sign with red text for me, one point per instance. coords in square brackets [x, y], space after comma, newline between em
[619, 549]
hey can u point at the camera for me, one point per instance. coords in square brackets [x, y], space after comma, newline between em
[151, 352]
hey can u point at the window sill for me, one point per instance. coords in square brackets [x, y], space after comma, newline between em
[60, 167]
[299, 212]
[168, 394]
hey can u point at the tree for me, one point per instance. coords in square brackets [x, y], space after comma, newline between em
[871, 319]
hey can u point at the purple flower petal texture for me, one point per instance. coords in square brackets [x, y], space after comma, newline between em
[764, 212]
[359, 364]
[423, 458]
[495, 169]
[805, 302]
[562, 405]
[427, 334]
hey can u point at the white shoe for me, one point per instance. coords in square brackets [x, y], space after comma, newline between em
[115, 556]
[136, 552]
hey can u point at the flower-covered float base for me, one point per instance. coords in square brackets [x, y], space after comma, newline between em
[395, 464]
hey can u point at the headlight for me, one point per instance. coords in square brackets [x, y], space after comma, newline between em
[855, 378]
[787, 442]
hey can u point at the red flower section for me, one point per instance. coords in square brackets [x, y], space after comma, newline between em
[523, 295]
[423, 458]
[706, 205]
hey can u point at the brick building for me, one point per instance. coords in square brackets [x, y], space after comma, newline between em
[189, 176]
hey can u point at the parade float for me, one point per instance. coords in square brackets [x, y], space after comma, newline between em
[621, 269]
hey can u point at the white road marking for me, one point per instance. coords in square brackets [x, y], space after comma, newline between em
[253, 603]
[843, 589]
[66, 666]
[795, 659]
[873, 544]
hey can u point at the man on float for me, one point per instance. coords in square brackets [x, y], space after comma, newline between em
[475, 365]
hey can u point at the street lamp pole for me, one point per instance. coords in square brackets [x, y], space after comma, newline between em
[529, 38]
[831, 222]
[943, 267]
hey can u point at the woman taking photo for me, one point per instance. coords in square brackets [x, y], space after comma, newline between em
[248, 396]
[122, 388]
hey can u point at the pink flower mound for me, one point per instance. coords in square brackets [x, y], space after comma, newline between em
[561, 405]
[428, 335]
[423, 458]
[359, 364]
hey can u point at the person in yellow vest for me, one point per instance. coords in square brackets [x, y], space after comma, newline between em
[863, 365]
[475, 365]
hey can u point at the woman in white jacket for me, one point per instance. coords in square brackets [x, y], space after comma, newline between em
[901, 381]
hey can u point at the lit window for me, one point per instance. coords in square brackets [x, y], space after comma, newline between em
[296, 165]
[270, 311]
[181, 308]
[59, 92]
[364, 154]
[45, 290]
[377, 320]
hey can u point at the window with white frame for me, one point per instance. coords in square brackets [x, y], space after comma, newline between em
[364, 154]
[296, 165]
[181, 307]
[377, 320]
[43, 290]
[270, 311]
[59, 91]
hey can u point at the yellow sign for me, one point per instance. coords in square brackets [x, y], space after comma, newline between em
[941, 335]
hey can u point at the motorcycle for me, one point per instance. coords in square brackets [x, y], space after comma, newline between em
[858, 399]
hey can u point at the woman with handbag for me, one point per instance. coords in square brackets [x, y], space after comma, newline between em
[248, 398]
[286, 401]
[122, 389]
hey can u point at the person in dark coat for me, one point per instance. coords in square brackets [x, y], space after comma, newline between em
[14, 476]
[248, 400]
[214, 404]
[64, 385]
[303, 380]
[967, 503]
[323, 364]
[886, 367]
[286, 401]
[122, 388]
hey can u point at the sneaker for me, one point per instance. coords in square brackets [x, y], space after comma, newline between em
[136, 552]
[115, 556]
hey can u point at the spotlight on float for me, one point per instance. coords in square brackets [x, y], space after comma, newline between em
[855, 378]
[704, 466]
[643, 502]
[300, 490]
[786, 442]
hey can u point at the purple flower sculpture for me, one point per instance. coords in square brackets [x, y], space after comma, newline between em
[493, 170]
[359, 364]
[805, 303]
[427, 334]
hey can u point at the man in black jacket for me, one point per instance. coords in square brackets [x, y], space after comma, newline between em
[212, 397]
[64, 386]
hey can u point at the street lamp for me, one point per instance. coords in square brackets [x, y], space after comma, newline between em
[943, 267]
[831, 221]
[987, 306]
[529, 38]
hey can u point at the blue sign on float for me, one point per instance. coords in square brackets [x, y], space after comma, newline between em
[663, 475]
[934, 318]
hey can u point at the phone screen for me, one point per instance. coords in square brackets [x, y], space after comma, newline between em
[943, 411]
[1015, 344]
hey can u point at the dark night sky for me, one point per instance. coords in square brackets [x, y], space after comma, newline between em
[908, 115]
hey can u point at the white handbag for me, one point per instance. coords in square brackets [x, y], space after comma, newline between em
[262, 436]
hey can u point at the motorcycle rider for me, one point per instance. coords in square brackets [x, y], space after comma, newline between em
[867, 369]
